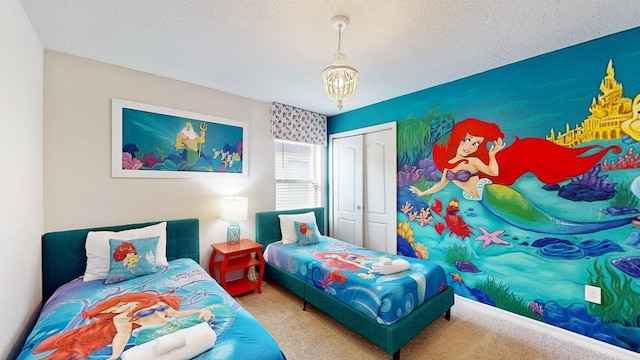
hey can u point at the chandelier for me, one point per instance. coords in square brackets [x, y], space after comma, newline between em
[339, 79]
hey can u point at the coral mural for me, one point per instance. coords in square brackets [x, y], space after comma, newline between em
[523, 223]
[526, 232]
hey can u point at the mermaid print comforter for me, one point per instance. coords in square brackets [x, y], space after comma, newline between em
[97, 321]
[345, 272]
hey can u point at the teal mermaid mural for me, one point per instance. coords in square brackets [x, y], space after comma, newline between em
[497, 210]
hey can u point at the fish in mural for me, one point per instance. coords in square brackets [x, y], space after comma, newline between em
[485, 173]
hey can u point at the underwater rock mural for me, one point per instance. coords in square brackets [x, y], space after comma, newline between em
[495, 209]
[523, 182]
[630, 265]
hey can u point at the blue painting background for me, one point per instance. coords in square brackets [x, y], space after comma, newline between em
[151, 138]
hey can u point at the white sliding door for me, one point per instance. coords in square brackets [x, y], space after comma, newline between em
[363, 187]
[380, 223]
[347, 185]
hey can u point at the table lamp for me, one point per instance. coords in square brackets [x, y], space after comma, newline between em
[233, 209]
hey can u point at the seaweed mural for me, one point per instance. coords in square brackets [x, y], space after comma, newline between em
[522, 223]
[623, 201]
[419, 135]
[620, 302]
[503, 298]
[457, 254]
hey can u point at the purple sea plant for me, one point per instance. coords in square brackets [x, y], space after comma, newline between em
[431, 172]
[593, 180]
[590, 187]
[409, 176]
[536, 308]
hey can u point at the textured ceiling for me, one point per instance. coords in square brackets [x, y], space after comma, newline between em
[275, 50]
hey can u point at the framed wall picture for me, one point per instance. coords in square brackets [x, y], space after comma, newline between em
[150, 141]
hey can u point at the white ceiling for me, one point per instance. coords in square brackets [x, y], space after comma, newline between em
[275, 50]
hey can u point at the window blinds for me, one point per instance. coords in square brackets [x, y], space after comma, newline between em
[300, 136]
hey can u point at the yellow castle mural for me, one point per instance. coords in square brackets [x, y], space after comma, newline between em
[612, 116]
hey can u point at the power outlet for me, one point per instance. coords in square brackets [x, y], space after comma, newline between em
[592, 294]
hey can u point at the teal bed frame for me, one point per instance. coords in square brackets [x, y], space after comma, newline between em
[64, 259]
[389, 338]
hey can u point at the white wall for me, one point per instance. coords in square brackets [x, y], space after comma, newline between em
[21, 199]
[79, 190]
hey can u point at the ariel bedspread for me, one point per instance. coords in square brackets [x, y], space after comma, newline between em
[78, 320]
[347, 272]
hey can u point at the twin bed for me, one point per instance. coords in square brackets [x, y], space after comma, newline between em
[175, 309]
[389, 317]
[179, 308]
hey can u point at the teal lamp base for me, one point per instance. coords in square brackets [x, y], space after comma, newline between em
[233, 234]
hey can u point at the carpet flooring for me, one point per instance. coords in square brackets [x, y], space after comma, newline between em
[470, 334]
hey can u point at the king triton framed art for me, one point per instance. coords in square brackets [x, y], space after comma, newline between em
[150, 141]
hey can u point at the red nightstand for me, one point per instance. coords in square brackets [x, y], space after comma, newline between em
[227, 258]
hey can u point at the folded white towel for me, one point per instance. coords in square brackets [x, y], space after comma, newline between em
[169, 342]
[385, 268]
[181, 345]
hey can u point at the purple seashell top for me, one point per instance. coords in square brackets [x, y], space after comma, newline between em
[466, 266]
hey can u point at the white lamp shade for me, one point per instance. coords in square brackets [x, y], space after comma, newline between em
[234, 208]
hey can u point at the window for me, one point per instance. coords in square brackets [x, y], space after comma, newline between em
[297, 168]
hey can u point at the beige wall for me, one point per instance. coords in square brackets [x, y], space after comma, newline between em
[78, 188]
[21, 202]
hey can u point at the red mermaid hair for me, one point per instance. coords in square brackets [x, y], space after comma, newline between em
[549, 162]
[80, 342]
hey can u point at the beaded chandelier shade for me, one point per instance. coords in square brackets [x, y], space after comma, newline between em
[339, 80]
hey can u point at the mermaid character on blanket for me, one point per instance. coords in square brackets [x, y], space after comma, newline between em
[114, 320]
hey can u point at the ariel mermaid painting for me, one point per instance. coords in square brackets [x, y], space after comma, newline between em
[523, 183]
[466, 161]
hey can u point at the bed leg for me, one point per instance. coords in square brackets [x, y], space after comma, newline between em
[304, 307]
[396, 355]
[447, 315]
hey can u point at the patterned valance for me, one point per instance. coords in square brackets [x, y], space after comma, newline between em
[294, 124]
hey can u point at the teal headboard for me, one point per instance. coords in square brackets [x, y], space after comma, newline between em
[268, 223]
[64, 258]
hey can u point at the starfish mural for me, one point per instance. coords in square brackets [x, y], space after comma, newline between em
[491, 238]
[456, 277]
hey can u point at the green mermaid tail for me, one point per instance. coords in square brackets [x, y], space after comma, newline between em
[509, 205]
[192, 156]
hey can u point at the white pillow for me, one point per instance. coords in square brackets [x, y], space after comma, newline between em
[97, 248]
[287, 227]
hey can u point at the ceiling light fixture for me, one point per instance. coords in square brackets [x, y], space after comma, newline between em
[339, 79]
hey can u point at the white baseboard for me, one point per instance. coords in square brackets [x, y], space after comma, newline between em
[566, 344]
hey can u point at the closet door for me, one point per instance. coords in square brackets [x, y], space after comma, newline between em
[363, 187]
[380, 220]
[347, 189]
